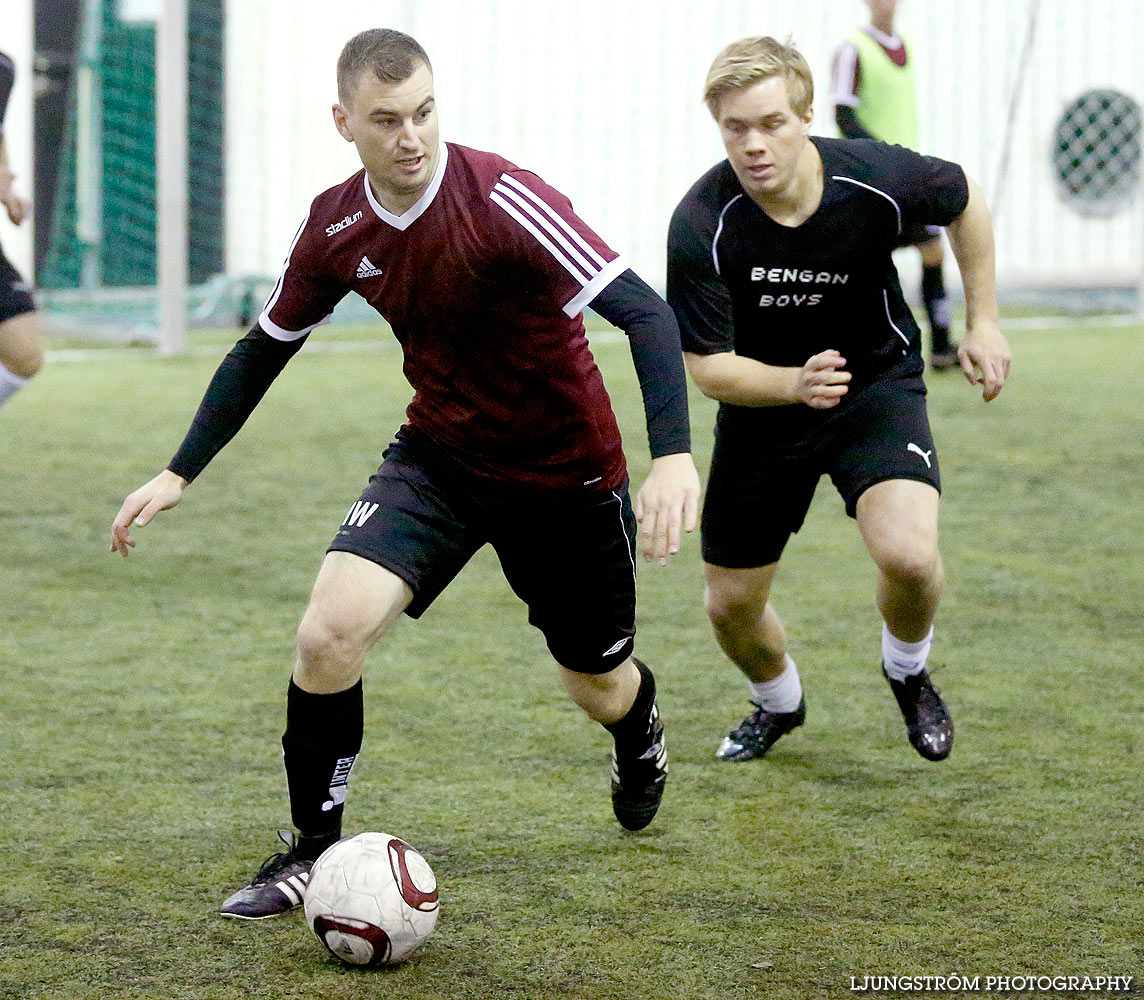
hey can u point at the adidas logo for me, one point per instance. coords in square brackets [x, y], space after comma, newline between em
[366, 269]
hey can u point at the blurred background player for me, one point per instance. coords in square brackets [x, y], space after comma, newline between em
[781, 274]
[483, 272]
[21, 345]
[875, 97]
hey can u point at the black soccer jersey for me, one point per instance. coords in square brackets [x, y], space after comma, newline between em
[740, 281]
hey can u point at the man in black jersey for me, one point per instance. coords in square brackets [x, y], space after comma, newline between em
[780, 273]
[483, 271]
[21, 343]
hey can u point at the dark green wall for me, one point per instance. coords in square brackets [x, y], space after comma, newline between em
[127, 253]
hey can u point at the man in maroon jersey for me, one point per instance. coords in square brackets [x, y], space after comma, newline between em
[483, 271]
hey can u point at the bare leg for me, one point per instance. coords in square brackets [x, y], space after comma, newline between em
[746, 626]
[898, 521]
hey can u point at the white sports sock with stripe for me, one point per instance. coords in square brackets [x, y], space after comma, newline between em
[780, 694]
[904, 659]
[10, 384]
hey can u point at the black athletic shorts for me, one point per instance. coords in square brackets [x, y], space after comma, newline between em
[571, 560]
[758, 491]
[15, 295]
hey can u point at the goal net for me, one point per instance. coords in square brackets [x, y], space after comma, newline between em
[1038, 99]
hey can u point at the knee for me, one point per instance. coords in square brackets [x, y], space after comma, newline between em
[25, 362]
[21, 345]
[330, 648]
[604, 697]
[731, 609]
[917, 565]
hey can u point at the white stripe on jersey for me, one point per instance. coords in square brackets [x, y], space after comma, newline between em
[533, 224]
[270, 302]
[567, 246]
[556, 217]
[842, 83]
[501, 195]
[897, 208]
[540, 237]
[268, 325]
[595, 286]
[719, 229]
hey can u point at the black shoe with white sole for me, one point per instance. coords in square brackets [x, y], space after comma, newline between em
[277, 887]
[638, 781]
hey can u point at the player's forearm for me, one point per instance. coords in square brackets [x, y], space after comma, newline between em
[236, 389]
[631, 304]
[741, 381]
[971, 237]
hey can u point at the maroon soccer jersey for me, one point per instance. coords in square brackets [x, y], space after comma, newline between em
[483, 281]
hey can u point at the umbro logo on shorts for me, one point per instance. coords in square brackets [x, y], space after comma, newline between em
[924, 454]
[367, 269]
[617, 647]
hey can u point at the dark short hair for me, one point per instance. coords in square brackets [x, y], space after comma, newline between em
[391, 55]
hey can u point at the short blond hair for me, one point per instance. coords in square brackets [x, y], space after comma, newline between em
[749, 60]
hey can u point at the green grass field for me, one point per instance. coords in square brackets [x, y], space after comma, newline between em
[142, 702]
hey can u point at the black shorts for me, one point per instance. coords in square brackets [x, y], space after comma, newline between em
[15, 295]
[758, 492]
[571, 560]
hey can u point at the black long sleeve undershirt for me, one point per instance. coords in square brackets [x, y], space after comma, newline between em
[848, 125]
[236, 389]
[629, 303]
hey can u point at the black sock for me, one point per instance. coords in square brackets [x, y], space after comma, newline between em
[632, 733]
[937, 307]
[322, 740]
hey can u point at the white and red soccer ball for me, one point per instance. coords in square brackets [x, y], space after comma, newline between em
[371, 899]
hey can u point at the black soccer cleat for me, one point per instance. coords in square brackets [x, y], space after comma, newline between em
[278, 887]
[927, 719]
[758, 732]
[637, 782]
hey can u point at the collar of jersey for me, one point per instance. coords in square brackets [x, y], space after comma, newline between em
[417, 209]
[893, 41]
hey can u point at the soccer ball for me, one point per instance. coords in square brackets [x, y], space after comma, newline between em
[371, 899]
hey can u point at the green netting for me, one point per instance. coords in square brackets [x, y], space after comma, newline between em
[127, 254]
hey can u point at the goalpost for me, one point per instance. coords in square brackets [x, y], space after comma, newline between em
[171, 173]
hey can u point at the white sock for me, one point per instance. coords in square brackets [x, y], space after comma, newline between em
[904, 659]
[780, 694]
[10, 384]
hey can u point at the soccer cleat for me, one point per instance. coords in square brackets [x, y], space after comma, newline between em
[927, 719]
[637, 782]
[758, 732]
[943, 360]
[277, 887]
